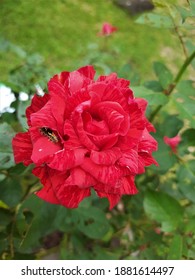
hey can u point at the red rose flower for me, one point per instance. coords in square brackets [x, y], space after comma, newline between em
[86, 134]
[107, 29]
[172, 142]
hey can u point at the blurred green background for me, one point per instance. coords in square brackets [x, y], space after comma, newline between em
[64, 33]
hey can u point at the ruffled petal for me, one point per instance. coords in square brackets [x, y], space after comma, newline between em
[104, 174]
[103, 141]
[44, 117]
[116, 118]
[43, 148]
[147, 143]
[114, 80]
[47, 192]
[22, 148]
[93, 126]
[115, 95]
[70, 137]
[106, 157]
[36, 104]
[71, 196]
[74, 101]
[68, 196]
[130, 160]
[87, 71]
[145, 159]
[80, 178]
[81, 133]
[127, 186]
[58, 85]
[136, 116]
[112, 198]
[66, 159]
[58, 109]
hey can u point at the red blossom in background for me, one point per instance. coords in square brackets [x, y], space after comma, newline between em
[86, 134]
[107, 29]
[172, 142]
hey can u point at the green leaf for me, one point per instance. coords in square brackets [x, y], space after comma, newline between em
[5, 217]
[6, 154]
[129, 73]
[191, 48]
[36, 219]
[153, 98]
[10, 191]
[156, 20]
[186, 180]
[188, 142]
[185, 13]
[91, 221]
[176, 248]
[169, 125]
[184, 101]
[163, 73]
[3, 205]
[163, 209]
[22, 105]
[165, 158]
[190, 226]
[153, 85]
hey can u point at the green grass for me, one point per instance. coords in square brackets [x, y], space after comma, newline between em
[61, 30]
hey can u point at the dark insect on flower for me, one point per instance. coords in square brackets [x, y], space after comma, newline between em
[49, 133]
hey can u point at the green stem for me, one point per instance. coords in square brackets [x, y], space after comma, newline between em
[172, 86]
[183, 68]
[180, 74]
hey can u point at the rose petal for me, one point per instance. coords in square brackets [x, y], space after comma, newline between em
[36, 104]
[70, 137]
[147, 143]
[116, 118]
[107, 157]
[145, 159]
[93, 126]
[127, 185]
[46, 193]
[104, 141]
[71, 196]
[87, 71]
[79, 128]
[58, 85]
[104, 174]
[114, 80]
[80, 178]
[22, 148]
[115, 95]
[78, 98]
[130, 159]
[44, 117]
[172, 142]
[112, 198]
[66, 159]
[43, 150]
[68, 196]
